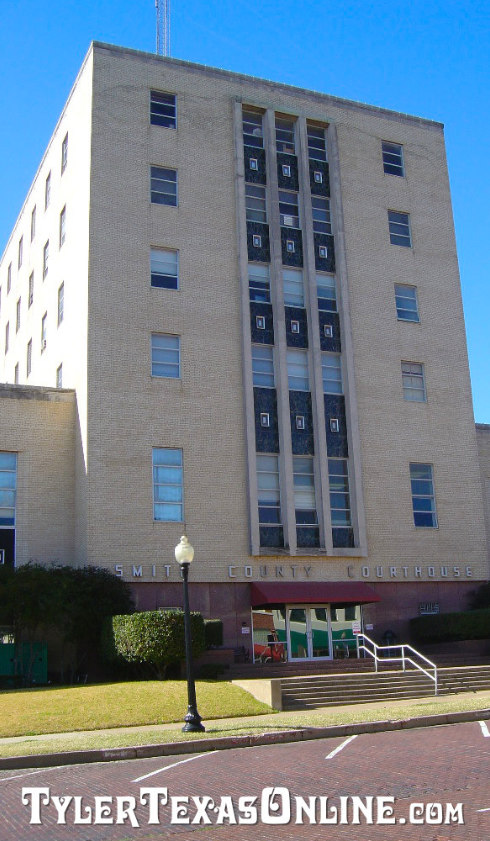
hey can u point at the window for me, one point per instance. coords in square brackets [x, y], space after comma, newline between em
[295, 327]
[334, 425]
[413, 381]
[288, 209]
[61, 303]
[47, 191]
[165, 355]
[392, 158]
[286, 171]
[16, 381]
[285, 135]
[304, 491]
[328, 331]
[168, 485]
[260, 322]
[257, 241]
[399, 226]
[163, 109]
[20, 252]
[259, 283]
[44, 334]
[263, 366]
[332, 373]
[8, 483]
[423, 499]
[293, 287]
[7, 337]
[297, 365]
[29, 357]
[268, 490]
[62, 226]
[252, 129]
[59, 376]
[30, 300]
[253, 164]
[323, 252]
[322, 223]
[265, 419]
[317, 150]
[17, 315]
[164, 268]
[64, 153]
[33, 223]
[407, 308]
[290, 246]
[163, 186]
[318, 177]
[9, 278]
[45, 259]
[338, 477]
[255, 206]
[300, 422]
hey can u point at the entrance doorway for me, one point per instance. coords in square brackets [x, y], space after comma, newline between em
[309, 632]
[302, 632]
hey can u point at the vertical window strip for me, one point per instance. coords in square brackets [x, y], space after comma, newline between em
[168, 484]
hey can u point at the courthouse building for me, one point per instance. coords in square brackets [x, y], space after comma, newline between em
[232, 307]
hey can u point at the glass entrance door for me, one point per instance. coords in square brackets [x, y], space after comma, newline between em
[308, 632]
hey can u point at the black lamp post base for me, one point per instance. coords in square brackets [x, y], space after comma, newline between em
[193, 722]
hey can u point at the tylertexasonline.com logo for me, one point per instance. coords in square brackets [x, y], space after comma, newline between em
[275, 805]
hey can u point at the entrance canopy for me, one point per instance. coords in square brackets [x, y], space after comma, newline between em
[312, 592]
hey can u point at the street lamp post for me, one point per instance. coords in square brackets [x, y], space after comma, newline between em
[184, 553]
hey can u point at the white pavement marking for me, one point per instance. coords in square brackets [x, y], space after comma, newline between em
[166, 767]
[341, 747]
[484, 729]
[29, 773]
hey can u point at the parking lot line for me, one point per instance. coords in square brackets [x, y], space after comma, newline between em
[484, 729]
[341, 747]
[167, 767]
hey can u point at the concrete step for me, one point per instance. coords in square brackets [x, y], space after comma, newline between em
[329, 690]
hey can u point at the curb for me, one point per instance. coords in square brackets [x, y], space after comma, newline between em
[228, 742]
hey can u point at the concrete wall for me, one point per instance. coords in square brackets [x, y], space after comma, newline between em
[39, 425]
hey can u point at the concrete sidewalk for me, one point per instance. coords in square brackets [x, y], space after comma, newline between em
[269, 729]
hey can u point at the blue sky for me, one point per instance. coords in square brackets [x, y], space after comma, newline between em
[427, 58]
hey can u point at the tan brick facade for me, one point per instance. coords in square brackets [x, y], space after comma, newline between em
[111, 310]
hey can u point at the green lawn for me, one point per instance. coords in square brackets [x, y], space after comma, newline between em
[244, 726]
[56, 710]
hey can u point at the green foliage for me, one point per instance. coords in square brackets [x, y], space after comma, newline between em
[213, 632]
[71, 601]
[448, 627]
[156, 638]
[480, 598]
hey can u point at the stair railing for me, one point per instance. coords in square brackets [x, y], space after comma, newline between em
[406, 656]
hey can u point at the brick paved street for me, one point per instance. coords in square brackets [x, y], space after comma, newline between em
[440, 764]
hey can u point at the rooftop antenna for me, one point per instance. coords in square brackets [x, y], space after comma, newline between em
[163, 27]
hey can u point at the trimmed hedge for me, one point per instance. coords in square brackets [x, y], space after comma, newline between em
[213, 632]
[449, 627]
[156, 638]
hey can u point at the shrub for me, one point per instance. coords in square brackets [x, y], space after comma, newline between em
[156, 638]
[213, 633]
[481, 597]
[448, 627]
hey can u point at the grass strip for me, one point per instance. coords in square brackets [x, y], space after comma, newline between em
[263, 724]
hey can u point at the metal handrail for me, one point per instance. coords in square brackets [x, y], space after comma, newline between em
[403, 659]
